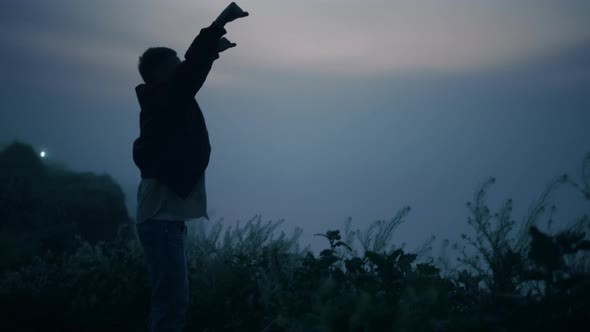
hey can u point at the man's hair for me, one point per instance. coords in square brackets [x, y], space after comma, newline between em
[151, 59]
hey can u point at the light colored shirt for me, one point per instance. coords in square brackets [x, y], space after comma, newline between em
[157, 201]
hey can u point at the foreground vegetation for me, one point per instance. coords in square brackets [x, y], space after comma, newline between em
[250, 277]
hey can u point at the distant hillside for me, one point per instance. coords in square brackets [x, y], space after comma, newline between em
[43, 206]
[130, 191]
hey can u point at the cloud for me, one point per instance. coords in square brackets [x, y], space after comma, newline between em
[398, 36]
[283, 38]
[347, 36]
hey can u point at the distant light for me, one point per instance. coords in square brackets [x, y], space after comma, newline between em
[42, 154]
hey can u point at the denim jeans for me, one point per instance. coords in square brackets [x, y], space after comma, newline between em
[164, 246]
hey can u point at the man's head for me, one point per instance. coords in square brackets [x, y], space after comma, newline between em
[157, 64]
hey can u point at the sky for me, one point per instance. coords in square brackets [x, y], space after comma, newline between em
[325, 109]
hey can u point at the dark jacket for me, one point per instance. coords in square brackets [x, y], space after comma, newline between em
[173, 146]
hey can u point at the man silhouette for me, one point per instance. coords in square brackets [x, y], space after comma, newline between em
[172, 153]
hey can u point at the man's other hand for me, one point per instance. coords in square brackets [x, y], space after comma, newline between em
[231, 13]
[224, 44]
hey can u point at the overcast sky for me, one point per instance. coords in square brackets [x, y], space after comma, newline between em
[325, 109]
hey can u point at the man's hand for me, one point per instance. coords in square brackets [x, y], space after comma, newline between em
[230, 13]
[224, 44]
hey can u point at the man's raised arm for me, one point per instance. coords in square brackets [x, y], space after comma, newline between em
[205, 48]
